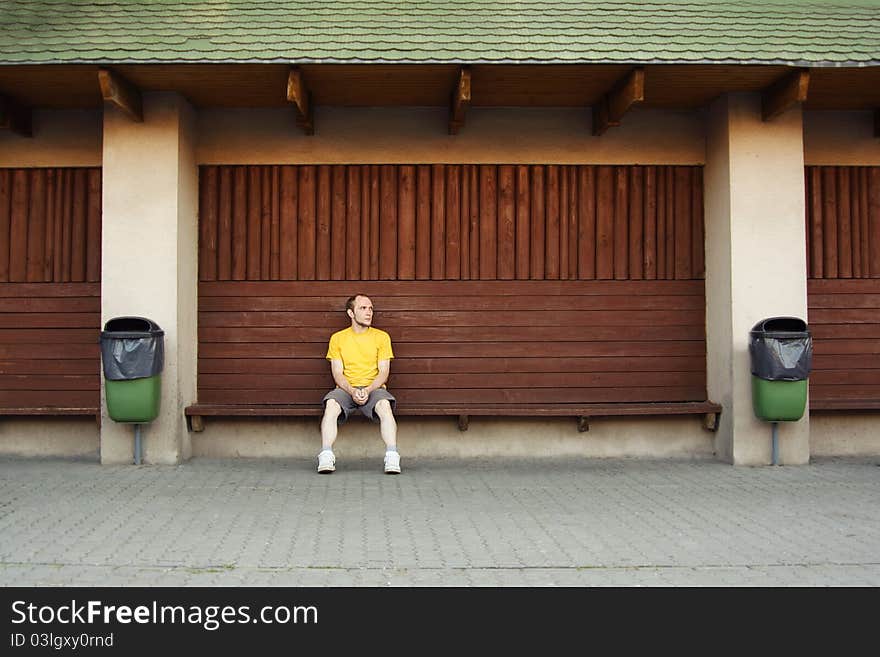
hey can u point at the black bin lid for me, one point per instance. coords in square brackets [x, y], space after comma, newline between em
[780, 327]
[131, 327]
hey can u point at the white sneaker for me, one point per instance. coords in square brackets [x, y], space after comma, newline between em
[326, 462]
[392, 463]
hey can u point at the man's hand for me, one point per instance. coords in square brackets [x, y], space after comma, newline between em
[360, 396]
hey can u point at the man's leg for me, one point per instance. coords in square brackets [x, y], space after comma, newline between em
[388, 425]
[330, 423]
[388, 429]
[329, 429]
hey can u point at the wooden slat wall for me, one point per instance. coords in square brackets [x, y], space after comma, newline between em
[843, 222]
[49, 351]
[50, 306]
[461, 342]
[845, 323]
[451, 222]
[50, 225]
[843, 291]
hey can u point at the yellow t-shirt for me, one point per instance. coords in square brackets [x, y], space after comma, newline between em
[360, 353]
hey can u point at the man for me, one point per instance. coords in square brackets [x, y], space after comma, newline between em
[360, 361]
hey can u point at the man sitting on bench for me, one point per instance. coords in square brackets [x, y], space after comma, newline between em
[360, 361]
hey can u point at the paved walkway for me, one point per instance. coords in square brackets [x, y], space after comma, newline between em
[493, 522]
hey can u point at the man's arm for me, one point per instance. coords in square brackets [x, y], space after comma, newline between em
[336, 368]
[382, 377]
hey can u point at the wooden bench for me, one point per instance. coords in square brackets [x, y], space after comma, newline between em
[77, 411]
[831, 405]
[196, 414]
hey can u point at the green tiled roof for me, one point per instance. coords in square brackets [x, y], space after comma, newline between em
[801, 32]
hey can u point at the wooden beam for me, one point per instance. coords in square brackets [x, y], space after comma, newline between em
[461, 100]
[15, 117]
[609, 111]
[122, 93]
[784, 94]
[298, 94]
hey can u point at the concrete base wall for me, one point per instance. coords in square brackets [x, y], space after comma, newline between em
[440, 437]
[50, 437]
[856, 435]
[845, 434]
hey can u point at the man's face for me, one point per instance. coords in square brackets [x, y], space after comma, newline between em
[362, 313]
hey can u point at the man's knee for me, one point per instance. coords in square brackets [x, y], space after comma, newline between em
[383, 409]
[332, 409]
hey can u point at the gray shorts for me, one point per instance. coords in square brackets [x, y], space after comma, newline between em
[349, 405]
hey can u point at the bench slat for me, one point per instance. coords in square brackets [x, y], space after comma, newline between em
[59, 411]
[844, 405]
[594, 410]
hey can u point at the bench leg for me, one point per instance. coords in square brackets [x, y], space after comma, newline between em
[195, 423]
[462, 422]
[583, 423]
[710, 421]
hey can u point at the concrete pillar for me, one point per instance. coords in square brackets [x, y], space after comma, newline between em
[755, 263]
[149, 259]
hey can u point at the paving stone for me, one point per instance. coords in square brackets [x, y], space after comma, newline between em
[444, 522]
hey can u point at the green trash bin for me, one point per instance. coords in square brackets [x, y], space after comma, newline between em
[133, 355]
[781, 351]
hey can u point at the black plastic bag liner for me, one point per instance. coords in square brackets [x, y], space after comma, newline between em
[781, 349]
[132, 348]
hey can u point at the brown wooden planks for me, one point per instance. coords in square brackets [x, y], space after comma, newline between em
[464, 341]
[6, 178]
[93, 227]
[288, 219]
[406, 224]
[275, 224]
[50, 224]
[387, 236]
[538, 223]
[366, 221]
[488, 222]
[552, 238]
[208, 211]
[464, 217]
[523, 216]
[306, 242]
[842, 219]
[682, 256]
[605, 222]
[874, 221]
[49, 352]
[845, 324]
[621, 223]
[338, 224]
[438, 222]
[698, 259]
[253, 253]
[18, 225]
[322, 223]
[587, 222]
[453, 221]
[461, 222]
[506, 222]
[423, 222]
[225, 223]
